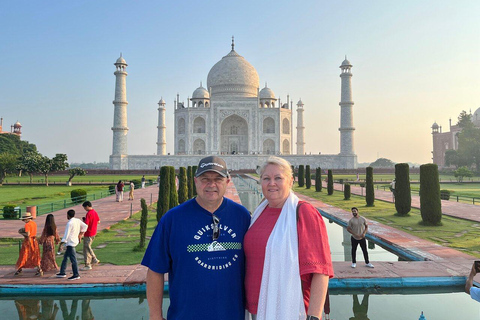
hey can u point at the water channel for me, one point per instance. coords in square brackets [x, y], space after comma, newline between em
[374, 304]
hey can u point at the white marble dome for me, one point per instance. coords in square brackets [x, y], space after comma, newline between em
[435, 125]
[266, 93]
[121, 61]
[476, 118]
[200, 93]
[346, 63]
[233, 76]
[161, 102]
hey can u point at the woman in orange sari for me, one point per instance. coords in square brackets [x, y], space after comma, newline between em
[30, 251]
[49, 239]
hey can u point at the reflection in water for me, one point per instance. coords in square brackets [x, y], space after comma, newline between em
[66, 313]
[360, 310]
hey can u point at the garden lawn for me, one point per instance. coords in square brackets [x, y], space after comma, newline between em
[62, 179]
[115, 246]
[456, 233]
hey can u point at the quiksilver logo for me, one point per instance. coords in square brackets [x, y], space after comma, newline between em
[210, 164]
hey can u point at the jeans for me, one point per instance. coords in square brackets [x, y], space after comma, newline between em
[363, 245]
[70, 253]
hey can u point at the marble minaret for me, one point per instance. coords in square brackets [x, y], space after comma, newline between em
[120, 129]
[346, 114]
[300, 129]
[161, 138]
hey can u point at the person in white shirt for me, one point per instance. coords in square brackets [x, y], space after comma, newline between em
[74, 231]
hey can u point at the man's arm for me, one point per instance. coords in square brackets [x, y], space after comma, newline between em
[365, 231]
[318, 292]
[155, 284]
[469, 283]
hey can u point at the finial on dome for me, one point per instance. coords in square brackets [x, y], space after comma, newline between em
[233, 43]
[265, 84]
[345, 57]
[200, 83]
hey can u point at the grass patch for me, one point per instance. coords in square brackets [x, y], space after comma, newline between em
[456, 233]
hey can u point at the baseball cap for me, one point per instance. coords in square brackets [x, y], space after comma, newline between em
[214, 164]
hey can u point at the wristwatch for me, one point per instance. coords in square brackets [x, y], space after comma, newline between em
[312, 318]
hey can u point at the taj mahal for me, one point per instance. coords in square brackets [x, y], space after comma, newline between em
[234, 118]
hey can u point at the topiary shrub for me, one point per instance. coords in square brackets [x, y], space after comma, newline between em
[190, 182]
[369, 189]
[402, 192]
[173, 189]
[137, 183]
[9, 212]
[182, 185]
[111, 189]
[163, 192]
[78, 195]
[293, 171]
[301, 175]
[318, 179]
[143, 224]
[430, 204]
[308, 177]
[445, 194]
[346, 192]
[330, 182]
[194, 189]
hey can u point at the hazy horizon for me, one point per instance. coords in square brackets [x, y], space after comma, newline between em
[414, 63]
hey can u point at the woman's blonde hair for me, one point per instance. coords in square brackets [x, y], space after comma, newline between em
[282, 163]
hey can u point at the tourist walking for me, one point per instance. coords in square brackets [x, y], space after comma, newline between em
[29, 256]
[119, 190]
[130, 193]
[358, 227]
[287, 254]
[49, 240]
[199, 245]
[74, 231]
[143, 182]
[92, 220]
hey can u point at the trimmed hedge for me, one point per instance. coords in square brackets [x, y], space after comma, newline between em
[402, 192]
[163, 192]
[194, 188]
[9, 212]
[182, 185]
[346, 191]
[330, 182]
[190, 182]
[318, 179]
[143, 223]
[369, 189]
[430, 204]
[111, 189]
[308, 177]
[78, 195]
[445, 194]
[173, 189]
[301, 175]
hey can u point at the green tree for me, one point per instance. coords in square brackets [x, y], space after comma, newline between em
[190, 182]
[308, 177]
[369, 188]
[182, 185]
[75, 172]
[346, 191]
[8, 164]
[47, 165]
[382, 163]
[301, 176]
[330, 182]
[403, 195]
[11, 143]
[318, 179]
[163, 192]
[143, 223]
[29, 163]
[462, 172]
[173, 189]
[468, 142]
[430, 203]
[452, 158]
[194, 188]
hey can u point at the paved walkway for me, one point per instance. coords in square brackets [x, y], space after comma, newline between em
[444, 266]
[449, 208]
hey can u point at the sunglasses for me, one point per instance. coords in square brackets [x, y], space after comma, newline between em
[216, 229]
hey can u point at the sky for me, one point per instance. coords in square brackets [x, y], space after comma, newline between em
[414, 63]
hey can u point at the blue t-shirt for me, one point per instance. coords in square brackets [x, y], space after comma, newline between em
[475, 293]
[205, 277]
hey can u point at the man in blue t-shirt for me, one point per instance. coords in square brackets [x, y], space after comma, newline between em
[199, 245]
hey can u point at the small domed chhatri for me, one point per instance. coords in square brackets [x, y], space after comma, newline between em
[120, 60]
[266, 93]
[200, 93]
[476, 118]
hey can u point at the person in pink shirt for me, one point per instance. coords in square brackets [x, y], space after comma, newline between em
[288, 260]
[92, 220]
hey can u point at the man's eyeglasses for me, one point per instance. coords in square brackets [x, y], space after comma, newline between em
[216, 229]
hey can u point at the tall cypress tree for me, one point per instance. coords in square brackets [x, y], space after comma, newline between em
[194, 189]
[143, 223]
[173, 189]
[430, 202]
[318, 179]
[403, 195]
[369, 189]
[190, 182]
[330, 182]
[308, 177]
[163, 192]
[182, 185]
[301, 175]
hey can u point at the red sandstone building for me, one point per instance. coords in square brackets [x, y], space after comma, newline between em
[14, 128]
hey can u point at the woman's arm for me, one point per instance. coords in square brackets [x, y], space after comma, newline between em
[155, 284]
[318, 292]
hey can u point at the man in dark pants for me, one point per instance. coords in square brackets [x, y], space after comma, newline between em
[358, 227]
